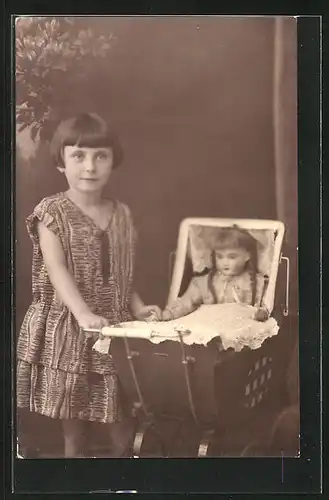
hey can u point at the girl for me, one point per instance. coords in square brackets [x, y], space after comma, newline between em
[82, 277]
[234, 277]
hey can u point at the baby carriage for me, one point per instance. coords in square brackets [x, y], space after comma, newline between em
[205, 393]
[199, 386]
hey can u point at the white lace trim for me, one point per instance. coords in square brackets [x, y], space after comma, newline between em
[233, 323]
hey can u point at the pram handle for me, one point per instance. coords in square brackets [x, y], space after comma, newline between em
[143, 333]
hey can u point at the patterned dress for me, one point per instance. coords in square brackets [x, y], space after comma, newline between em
[58, 373]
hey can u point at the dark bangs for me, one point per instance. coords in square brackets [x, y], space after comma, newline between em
[85, 130]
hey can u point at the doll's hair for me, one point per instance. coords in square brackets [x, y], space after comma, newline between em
[236, 237]
[84, 130]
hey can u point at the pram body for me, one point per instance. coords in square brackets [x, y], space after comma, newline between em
[211, 391]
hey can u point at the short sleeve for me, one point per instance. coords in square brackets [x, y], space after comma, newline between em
[130, 224]
[45, 212]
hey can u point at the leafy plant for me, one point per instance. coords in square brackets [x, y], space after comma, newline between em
[54, 57]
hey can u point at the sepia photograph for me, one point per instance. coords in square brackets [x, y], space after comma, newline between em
[156, 222]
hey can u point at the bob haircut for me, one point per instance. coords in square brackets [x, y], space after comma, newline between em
[87, 130]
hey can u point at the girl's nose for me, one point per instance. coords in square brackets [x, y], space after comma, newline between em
[89, 165]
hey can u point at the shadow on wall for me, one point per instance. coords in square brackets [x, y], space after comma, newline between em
[192, 101]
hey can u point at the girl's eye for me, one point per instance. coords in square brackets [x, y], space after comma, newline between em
[232, 256]
[101, 156]
[78, 155]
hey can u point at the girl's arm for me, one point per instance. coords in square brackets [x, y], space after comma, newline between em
[63, 281]
[141, 311]
[135, 303]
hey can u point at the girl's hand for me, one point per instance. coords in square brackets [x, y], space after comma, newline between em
[261, 314]
[148, 313]
[93, 321]
[166, 315]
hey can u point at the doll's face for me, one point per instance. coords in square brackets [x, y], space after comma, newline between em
[231, 261]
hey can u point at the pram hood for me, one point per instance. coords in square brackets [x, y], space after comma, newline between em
[196, 237]
[201, 240]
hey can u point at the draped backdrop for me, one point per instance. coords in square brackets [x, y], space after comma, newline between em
[206, 110]
[286, 167]
[285, 140]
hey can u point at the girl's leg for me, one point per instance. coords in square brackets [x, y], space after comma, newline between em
[26, 446]
[122, 434]
[75, 437]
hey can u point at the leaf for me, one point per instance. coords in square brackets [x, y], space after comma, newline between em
[34, 131]
[19, 44]
[56, 54]
[20, 78]
[23, 127]
[23, 111]
[60, 67]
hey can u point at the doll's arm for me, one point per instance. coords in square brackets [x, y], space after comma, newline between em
[185, 304]
[262, 313]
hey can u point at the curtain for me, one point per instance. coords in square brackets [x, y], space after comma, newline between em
[285, 140]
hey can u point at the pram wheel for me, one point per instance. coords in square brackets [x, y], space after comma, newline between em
[147, 441]
[206, 443]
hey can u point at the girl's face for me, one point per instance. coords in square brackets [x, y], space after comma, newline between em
[87, 170]
[231, 261]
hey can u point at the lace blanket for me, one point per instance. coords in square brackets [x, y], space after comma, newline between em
[233, 323]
